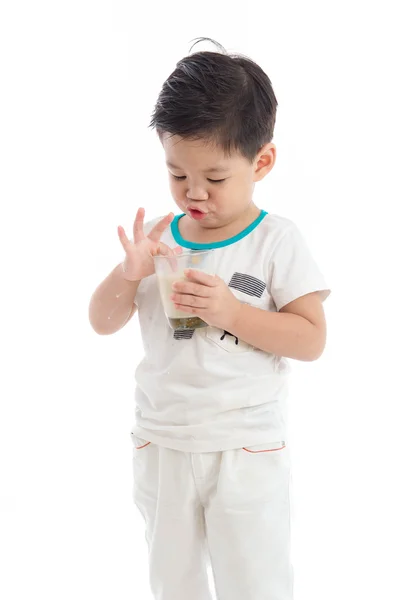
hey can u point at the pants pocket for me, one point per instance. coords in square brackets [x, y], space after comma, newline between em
[266, 447]
[139, 444]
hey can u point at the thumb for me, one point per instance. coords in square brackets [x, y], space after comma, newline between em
[164, 250]
[170, 254]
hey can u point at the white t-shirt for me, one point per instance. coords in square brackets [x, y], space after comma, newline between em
[205, 390]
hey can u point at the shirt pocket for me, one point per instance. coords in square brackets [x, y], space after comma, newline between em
[227, 341]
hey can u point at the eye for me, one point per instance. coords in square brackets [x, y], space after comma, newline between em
[183, 177]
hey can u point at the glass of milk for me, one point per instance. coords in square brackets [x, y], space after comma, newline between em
[170, 269]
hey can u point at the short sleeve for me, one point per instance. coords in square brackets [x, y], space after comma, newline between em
[293, 271]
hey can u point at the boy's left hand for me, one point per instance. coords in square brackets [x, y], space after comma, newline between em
[207, 297]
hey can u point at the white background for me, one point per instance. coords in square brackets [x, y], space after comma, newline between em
[79, 80]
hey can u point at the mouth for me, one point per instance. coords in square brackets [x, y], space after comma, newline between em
[196, 214]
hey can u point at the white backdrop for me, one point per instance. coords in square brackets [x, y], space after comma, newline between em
[78, 83]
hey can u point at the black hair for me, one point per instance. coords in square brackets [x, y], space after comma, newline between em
[226, 99]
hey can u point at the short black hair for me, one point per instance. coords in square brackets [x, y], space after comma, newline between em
[223, 98]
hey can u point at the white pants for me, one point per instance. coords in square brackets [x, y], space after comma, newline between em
[232, 507]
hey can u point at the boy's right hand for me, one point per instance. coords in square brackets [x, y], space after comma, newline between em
[138, 262]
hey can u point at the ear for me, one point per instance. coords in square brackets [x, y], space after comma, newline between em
[264, 161]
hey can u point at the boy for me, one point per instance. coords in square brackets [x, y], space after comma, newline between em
[211, 467]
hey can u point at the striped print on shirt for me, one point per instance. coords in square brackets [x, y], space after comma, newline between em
[248, 284]
[183, 334]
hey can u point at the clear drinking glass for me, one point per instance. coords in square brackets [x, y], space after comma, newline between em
[171, 269]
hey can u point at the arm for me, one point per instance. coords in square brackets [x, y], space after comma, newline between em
[297, 331]
[112, 304]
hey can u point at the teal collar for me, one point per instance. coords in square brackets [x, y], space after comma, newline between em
[212, 245]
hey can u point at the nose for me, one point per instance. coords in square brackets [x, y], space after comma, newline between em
[196, 193]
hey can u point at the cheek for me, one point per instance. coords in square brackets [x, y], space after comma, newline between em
[235, 197]
[176, 190]
[177, 194]
[229, 193]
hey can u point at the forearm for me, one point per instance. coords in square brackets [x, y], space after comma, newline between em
[112, 303]
[282, 334]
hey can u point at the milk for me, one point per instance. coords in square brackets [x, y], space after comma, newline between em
[165, 283]
[171, 270]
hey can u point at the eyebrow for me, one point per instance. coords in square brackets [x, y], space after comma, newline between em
[210, 170]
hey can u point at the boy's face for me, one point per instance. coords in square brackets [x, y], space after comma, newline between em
[211, 188]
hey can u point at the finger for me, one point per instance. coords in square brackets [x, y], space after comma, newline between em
[202, 277]
[164, 250]
[199, 312]
[194, 289]
[157, 231]
[186, 309]
[171, 258]
[138, 233]
[187, 300]
[123, 238]
[170, 255]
